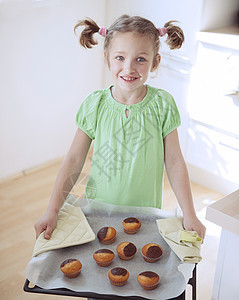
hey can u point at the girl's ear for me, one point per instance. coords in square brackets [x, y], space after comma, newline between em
[107, 59]
[156, 62]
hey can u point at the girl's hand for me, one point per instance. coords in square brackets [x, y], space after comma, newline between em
[193, 224]
[48, 223]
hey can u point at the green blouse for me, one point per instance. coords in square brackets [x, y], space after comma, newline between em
[128, 157]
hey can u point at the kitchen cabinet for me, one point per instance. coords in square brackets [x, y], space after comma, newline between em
[225, 213]
[173, 76]
[213, 102]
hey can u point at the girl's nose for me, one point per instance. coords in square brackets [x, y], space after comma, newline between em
[129, 66]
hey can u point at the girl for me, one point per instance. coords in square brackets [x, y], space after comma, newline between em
[133, 125]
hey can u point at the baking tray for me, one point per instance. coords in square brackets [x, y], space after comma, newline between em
[66, 292]
[99, 215]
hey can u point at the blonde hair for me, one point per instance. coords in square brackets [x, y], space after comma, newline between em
[126, 23]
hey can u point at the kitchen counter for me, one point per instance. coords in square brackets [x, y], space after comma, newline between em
[225, 213]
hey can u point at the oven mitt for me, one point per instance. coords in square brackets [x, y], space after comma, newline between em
[185, 244]
[72, 229]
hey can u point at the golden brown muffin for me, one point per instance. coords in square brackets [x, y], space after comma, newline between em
[148, 280]
[103, 257]
[118, 276]
[126, 250]
[71, 267]
[131, 225]
[152, 252]
[106, 235]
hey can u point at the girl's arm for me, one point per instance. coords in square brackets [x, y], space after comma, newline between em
[179, 180]
[67, 176]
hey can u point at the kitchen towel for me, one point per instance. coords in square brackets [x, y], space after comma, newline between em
[185, 244]
[72, 229]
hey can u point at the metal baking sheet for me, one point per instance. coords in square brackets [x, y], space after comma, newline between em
[65, 292]
[44, 269]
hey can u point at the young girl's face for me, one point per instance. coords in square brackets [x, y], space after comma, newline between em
[130, 58]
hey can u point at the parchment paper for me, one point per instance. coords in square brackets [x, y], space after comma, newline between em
[44, 269]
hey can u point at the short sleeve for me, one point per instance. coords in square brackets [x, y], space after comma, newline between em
[171, 117]
[86, 118]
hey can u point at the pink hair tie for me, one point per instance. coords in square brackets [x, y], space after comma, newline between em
[162, 31]
[103, 31]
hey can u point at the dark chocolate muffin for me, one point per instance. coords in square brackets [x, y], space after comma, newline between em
[131, 225]
[107, 235]
[71, 267]
[126, 250]
[118, 276]
[152, 252]
[103, 257]
[148, 280]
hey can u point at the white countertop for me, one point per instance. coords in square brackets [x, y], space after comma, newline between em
[225, 212]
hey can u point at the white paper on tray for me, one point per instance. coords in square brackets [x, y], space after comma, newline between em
[44, 269]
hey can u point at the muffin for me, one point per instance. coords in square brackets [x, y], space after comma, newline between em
[71, 267]
[148, 280]
[118, 276]
[126, 250]
[131, 225]
[106, 235]
[152, 252]
[103, 257]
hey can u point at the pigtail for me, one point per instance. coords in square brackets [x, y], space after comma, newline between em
[175, 36]
[86, 37]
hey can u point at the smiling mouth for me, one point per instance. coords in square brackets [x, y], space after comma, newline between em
[129, 79]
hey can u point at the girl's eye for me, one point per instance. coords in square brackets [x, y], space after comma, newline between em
[141, 59]
[119, 58]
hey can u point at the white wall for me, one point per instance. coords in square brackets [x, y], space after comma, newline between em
[219, 14]
[160, 12]
[44, 76]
